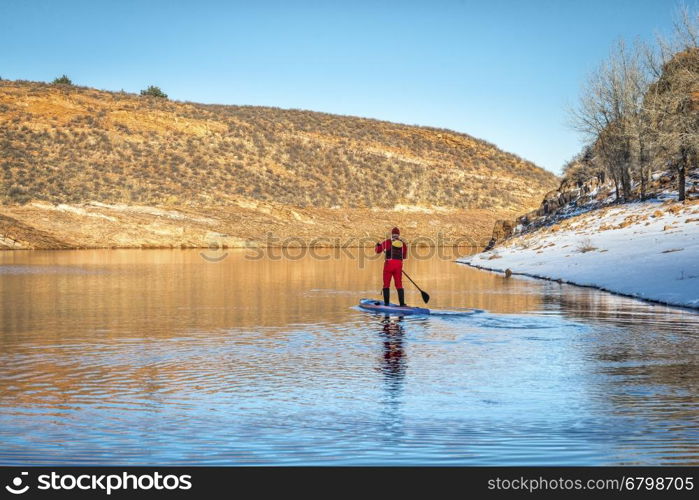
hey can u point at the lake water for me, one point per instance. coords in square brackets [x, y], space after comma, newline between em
[166, 357]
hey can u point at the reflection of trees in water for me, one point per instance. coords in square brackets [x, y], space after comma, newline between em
[636, 315]
[645, 362]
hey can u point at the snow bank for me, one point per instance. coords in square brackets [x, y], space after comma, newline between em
[648, 250]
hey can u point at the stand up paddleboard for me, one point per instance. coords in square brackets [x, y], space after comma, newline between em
[378, 306]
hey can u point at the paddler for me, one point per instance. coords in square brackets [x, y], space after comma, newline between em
[396, 251]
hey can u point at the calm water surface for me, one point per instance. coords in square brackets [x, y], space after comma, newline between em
[163, 357]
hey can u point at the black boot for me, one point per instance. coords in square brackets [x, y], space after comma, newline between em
[386, 296]
[401, 297]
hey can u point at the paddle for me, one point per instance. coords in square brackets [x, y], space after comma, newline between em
[425, 295]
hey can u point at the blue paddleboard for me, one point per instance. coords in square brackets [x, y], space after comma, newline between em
[379, 307]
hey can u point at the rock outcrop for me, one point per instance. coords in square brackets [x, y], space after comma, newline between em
[575, 196]
[569, 194]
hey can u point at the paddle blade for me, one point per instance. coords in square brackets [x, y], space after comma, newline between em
[425, 296]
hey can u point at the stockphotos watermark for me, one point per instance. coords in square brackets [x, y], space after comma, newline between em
[273, 247]
[106, 483]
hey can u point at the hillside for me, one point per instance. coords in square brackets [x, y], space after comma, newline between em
[83, 167]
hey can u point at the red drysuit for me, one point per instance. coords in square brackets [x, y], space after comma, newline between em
[393, 267]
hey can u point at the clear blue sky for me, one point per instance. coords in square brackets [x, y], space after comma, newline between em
[503, 71]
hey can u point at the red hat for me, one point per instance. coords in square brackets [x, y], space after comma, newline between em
[395, 230]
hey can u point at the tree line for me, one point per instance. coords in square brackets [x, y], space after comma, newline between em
[639, 111]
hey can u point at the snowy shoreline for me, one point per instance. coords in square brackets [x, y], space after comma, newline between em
[646, 250]
[595, 287]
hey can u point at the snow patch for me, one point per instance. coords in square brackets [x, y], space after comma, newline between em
[623, 250]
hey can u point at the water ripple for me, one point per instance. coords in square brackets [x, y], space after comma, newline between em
[140, 365]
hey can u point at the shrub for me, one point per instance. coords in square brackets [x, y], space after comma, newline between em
[62, 80]
[18, 194]
[153, 91]
[586, 245]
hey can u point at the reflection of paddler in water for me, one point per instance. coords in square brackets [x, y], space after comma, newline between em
[393, 364]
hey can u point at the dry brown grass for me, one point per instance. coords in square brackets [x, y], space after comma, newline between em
[66, 144]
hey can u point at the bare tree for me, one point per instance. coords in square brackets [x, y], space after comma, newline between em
[611, 115]
[672, 102]
[640, 109]
[582, 167]
[612, 154]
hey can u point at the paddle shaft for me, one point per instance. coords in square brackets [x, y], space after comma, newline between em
[411, 280]
[425, 295]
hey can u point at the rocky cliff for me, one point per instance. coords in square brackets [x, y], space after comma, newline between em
[575, 196]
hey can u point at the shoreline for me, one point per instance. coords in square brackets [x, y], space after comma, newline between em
[475, 248]
[44, 226]
[694, 309]
[647, 251]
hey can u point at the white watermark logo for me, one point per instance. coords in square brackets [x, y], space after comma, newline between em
[273, 247]
[106, 483]
[16, 488]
